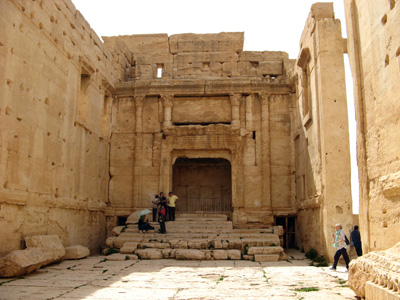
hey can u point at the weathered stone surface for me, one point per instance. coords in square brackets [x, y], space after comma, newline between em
[266, 257]
[117, 230]
[55, 116]
[121, 257]
[168, 253]
[220, 254]
[149, 253]
[110, 241]
[234, 254]
[190, 254]
[48, 243]
[265, 250]
[20, 262]
[76, 252]
[380, 268]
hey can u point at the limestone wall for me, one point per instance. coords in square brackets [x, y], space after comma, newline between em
[55, 104]
[320, 133]
[212, 100]
[374, 51]
[199, 56]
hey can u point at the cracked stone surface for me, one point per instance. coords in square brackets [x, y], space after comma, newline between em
[95, 279]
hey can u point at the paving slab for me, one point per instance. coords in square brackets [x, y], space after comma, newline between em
[97, 279]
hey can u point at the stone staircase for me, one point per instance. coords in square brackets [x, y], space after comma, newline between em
[196, 237]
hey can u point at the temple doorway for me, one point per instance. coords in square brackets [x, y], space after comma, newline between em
[203, 185]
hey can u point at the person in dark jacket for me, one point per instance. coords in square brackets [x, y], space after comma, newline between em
[144, 225]
[355, 240]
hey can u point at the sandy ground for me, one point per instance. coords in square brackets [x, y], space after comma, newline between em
[96, 279]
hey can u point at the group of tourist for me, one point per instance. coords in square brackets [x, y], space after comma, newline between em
[163, 209]
[341, 243]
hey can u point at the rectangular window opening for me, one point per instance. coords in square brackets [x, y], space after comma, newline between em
[160, 71]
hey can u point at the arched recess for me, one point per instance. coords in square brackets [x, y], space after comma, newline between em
[203, 184]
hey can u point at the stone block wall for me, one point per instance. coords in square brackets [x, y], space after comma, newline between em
[184, 56]
[374, 52]
[320, 133]
[56, 90]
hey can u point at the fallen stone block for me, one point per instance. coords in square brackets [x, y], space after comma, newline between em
[48, 243]
[220, 254]
[110, 241]
[234, 254]
[117, 230]
[128, 248]
[76, 252]
[190, 254]
[378, 267]
[20, 262]
[266, 257]
[149, 254]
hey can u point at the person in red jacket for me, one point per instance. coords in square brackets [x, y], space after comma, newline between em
[161, 218]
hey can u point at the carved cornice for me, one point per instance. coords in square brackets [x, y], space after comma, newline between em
[202, 87]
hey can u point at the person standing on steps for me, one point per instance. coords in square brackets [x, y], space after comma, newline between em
[154, 204]
[161, 218]
[171, 206]
[163, 202]
[341, 246]
[355, 240]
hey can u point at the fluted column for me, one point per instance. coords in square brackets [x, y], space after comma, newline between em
[138, 157]
[167, 101]
[235, 104]
[265, 150]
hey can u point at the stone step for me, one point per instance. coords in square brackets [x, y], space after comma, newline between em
[198, 236]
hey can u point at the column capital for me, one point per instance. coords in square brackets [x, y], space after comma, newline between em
[235, 99]
[264, 97]
[167, 99]
[139, 100]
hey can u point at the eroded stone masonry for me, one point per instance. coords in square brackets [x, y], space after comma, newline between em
[91, 130]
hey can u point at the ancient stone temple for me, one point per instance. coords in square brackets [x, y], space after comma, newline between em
[92, 129]
[200, 116]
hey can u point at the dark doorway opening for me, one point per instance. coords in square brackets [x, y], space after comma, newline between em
[202, 185]
[289, 225]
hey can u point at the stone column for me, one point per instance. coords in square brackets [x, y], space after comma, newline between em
[265, 151]
[167, 101]
[235, 104]
[137, 170]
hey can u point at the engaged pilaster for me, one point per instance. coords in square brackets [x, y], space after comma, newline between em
[139, 112]
[265, 149]
[235, 104]
[167, 101]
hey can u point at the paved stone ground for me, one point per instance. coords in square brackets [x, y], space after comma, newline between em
[96, 279]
